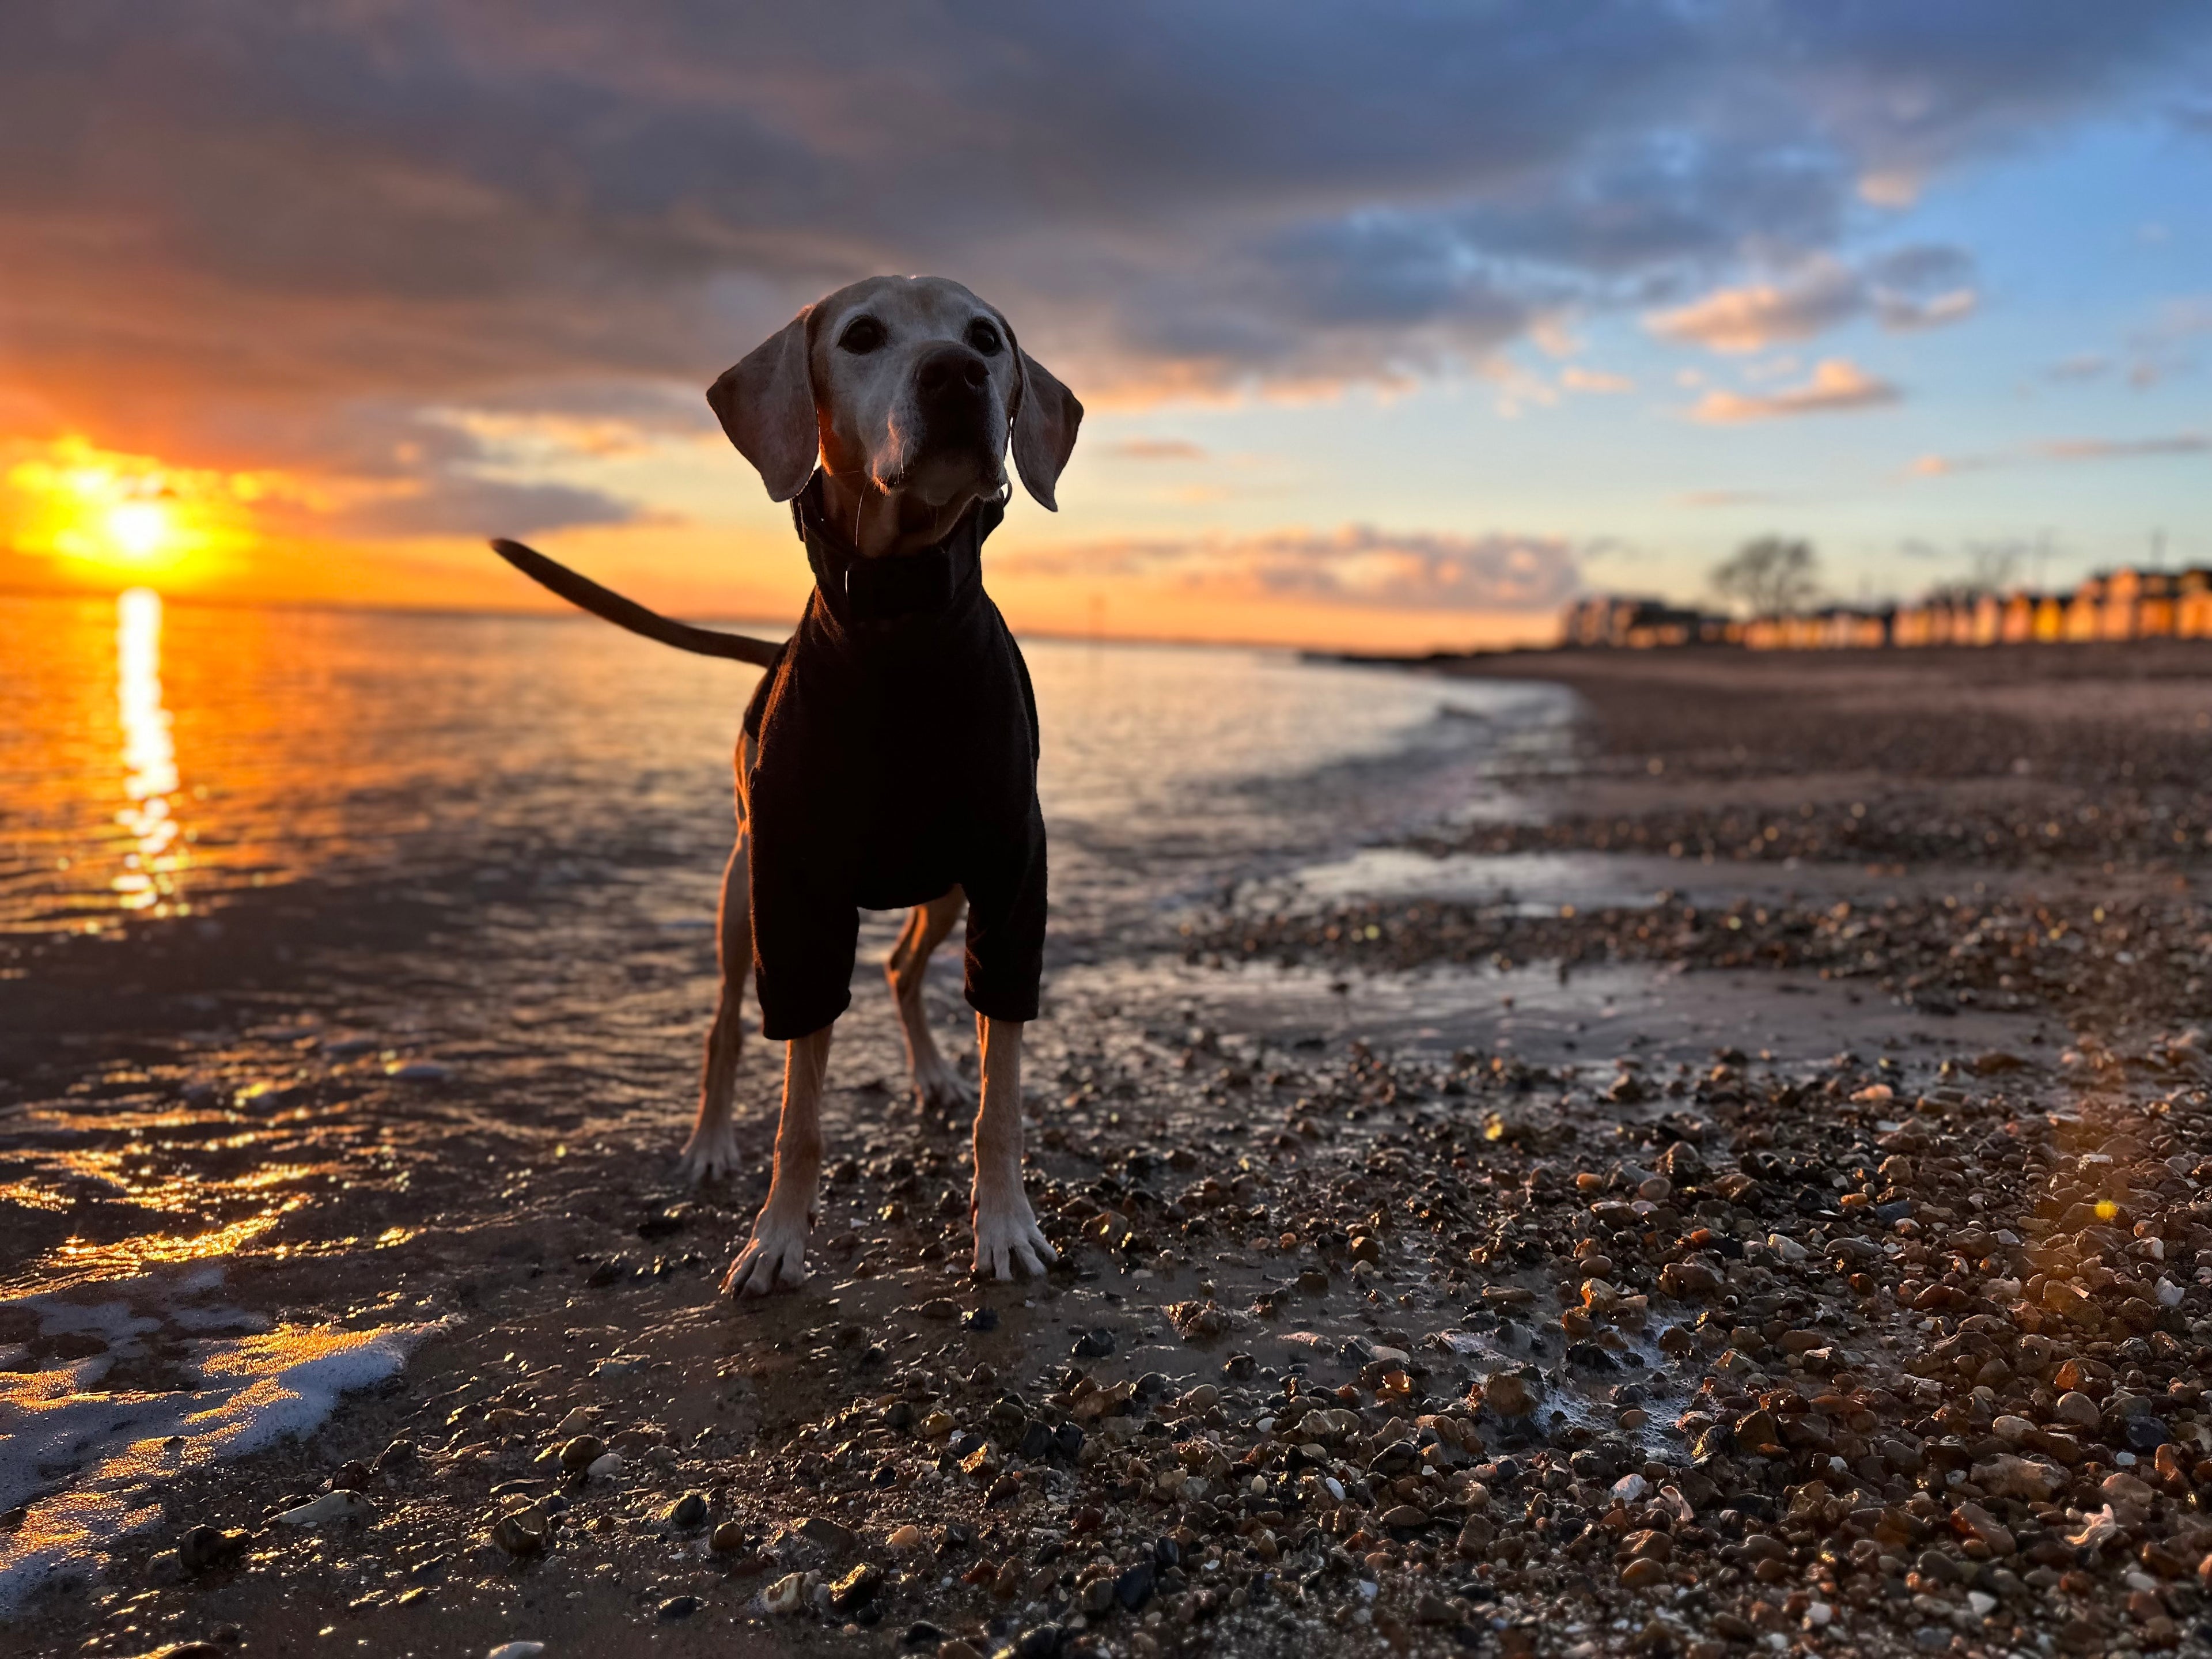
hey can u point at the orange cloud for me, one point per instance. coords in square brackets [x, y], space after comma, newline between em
[1590, 380]
[1910, 288]
[2066, 449]
[1836, 384]
[1751, 319]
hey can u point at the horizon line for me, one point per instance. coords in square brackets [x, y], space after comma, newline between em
[216, 602]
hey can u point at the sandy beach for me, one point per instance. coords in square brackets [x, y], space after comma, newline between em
[1720, 1175]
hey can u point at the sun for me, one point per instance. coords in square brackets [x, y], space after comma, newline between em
[140, 530]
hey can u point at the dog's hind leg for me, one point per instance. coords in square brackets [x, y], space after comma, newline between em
[936, 1085]
[775, 1257]
[711, 1151]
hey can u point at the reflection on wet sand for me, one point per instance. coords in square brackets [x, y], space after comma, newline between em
[149, 881]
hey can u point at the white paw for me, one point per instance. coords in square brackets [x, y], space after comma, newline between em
[775, 1257]
[1007, 1236]
[709, 1155]
[941, 1088]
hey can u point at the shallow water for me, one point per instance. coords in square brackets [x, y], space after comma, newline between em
[157, 759]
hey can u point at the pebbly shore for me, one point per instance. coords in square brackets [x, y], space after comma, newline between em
[1881, 1350]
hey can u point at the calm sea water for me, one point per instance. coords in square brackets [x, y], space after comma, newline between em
[155, 758]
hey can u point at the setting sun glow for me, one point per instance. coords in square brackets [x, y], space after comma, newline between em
[139, 529]
[104, 512]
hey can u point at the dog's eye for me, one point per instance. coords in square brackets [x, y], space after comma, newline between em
[861, 336]
[984, 338]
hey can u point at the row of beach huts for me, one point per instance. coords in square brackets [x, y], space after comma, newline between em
[2120, 604]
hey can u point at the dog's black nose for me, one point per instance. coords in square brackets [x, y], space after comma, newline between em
[950, 370]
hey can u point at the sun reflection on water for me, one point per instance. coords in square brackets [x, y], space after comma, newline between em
[149, 878]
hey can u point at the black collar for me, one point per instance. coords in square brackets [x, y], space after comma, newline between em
[858, 589]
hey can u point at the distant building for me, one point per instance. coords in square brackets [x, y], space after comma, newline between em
[2113, 606]
[1638, 624]
[2193, 605]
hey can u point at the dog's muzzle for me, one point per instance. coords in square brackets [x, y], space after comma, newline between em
[932, 582]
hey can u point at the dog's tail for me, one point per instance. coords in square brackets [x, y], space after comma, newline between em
[588, 595]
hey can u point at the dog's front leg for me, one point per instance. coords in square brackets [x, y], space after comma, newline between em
[776, 1255]
[1006, 1233]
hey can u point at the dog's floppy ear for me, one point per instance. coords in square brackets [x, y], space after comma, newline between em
[1045, 415]
[766, 404]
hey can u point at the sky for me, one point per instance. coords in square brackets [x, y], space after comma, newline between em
[1397, 324]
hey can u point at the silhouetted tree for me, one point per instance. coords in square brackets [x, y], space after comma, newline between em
[1769, 576]
[1992, 567]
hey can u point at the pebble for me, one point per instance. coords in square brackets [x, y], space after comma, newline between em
[826, 1534]
[579, 1452]
[2078, 1409]
[523, 1532]
[331, 1509]
[1509, 1395]
[205, 1548]
[785, 1595]
[856, 1588]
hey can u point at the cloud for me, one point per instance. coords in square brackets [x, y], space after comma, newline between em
[1156, 449]
[1753, 318]
[1576, 379]
[1355, 565]
[2066, 449]
[1910, 288]
[2105, 449]
[239, 232]
[1836, 383]
[1900, 312]
[470, 506]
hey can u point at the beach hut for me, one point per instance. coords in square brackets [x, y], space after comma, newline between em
[1847, 630]
[1766, 633]
[2156, 605]
[2016, 625]
[1987, 626]
[2193, 605]
[2085, 611]
[2116, 616]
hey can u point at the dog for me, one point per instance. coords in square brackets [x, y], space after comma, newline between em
[888, 757]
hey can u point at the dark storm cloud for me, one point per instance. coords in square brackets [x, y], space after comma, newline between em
[263, 205]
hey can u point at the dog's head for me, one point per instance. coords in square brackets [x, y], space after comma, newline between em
[910, 384]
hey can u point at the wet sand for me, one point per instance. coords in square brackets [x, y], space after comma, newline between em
[1783, 1241]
